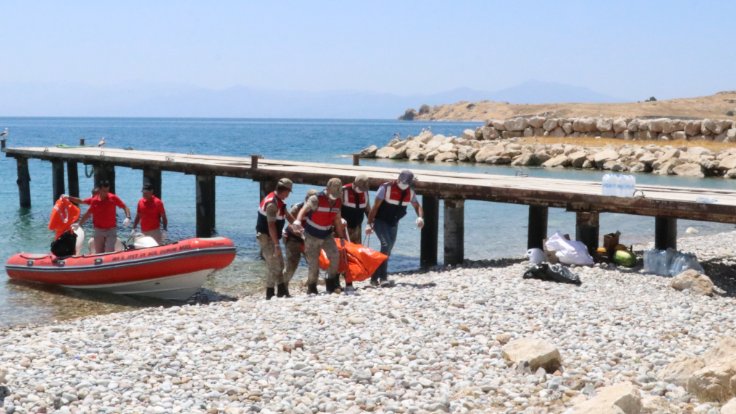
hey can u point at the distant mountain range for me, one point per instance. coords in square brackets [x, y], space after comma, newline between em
[176, 100]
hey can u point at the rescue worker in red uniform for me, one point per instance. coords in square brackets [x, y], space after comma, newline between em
[151, 214]
[355, 206]
[321, 216]
[102, 208]
[389, 207]
[272, 216]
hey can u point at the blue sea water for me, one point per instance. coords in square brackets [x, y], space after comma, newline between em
[493, 230]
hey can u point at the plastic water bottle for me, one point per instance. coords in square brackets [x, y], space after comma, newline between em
[632, 185]
[606, 185]
[620, 185]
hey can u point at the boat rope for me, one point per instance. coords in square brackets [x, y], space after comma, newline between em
[89, 172]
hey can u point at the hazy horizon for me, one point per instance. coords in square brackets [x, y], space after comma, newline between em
[337, 60]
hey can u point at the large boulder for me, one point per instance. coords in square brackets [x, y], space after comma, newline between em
[516, 124]
[561, 160]
[536, 121]
[680, 370]
[488, 151]
[694, 281]
[729, 407]
[466, 153]
[525, 159]
[584, 125]
[489, 133]
[469, 134]
[534, 352]
[619, 125]
[368, 152]
[689, 169]
[578, 158]
[386, 152]
[692, 128]
[447, 156]
[620, 398]
[604, 124]
[723, 351]
[713, 383]
[550, 124]
[607, 154]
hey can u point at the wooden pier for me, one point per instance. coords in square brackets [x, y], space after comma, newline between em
[664, 204]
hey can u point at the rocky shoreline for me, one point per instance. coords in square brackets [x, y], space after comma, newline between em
[440, 341]
[500, 142]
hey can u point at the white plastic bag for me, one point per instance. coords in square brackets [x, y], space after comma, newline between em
[569, 251]
[535, 255]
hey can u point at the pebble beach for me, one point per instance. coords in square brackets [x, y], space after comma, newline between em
[431, 343]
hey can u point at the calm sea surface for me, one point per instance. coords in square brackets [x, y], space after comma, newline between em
[493, 230]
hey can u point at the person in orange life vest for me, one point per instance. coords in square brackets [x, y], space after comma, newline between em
[321, 215]
[389, 207]
[355, 205]
[151, 214]
[102, 209]
[272, 216]
[294, 243]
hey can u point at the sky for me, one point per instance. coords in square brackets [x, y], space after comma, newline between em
[628, 49]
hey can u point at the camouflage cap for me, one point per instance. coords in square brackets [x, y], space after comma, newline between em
[334, 187]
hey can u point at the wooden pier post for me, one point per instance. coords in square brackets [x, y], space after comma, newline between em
[254, 161]
[356, 159]
[104, 171]
[205, 205]
[24, 182]
[2, 143]
[57, 179]
[587, 229]
[454, 231]
[153, 176]
[265, 188]
[537, 230]
[81, 142]
[72, 178]
[430, 231]
[665, 233]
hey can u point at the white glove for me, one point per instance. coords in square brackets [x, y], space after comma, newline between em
[63, 196]
[297, 226]
[368, 229]
[164, 234]
[420, 222]
[126, 222]
[75, 226]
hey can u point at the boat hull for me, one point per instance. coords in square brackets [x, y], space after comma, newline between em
[173, 271]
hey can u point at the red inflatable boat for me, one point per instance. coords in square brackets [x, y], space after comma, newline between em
[173, 271]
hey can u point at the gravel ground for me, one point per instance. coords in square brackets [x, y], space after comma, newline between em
[432, 343]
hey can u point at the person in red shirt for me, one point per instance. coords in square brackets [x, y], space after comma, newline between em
[151, 214]
[102, 208]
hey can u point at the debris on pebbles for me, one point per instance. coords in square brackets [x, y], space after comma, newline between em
[432, 343]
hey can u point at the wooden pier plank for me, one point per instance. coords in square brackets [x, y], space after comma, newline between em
[572, 195]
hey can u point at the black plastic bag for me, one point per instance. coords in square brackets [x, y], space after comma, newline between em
[552, 273]
[65, 245]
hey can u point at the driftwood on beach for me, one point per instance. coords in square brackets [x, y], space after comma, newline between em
[499, 143]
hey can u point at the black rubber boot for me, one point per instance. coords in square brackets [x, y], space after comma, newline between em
[312, 289]
[269, 293]
[331, 284]
[282, 291]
